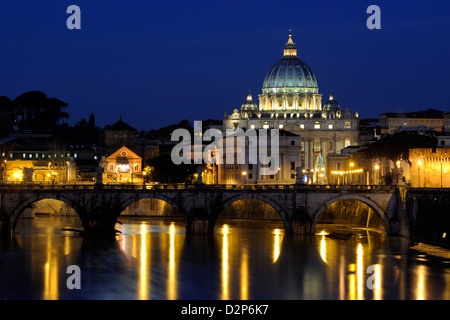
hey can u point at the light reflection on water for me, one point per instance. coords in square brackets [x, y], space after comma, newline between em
[154, 259]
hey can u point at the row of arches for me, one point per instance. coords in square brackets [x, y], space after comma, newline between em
[336, 212]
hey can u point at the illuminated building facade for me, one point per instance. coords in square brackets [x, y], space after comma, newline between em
[249, 173]
[430, 168]
[290, 101]
[39, 167]
[123, 166]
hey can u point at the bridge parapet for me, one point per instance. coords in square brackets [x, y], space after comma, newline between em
[312, 187]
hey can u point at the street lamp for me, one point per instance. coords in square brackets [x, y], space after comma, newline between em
[244, 173]
[67, 171]
[352, 164]
[377, 168]
[144, 173]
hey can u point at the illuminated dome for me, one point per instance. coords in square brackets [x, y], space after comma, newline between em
[290, 74]
[332, 104]
[249, 105]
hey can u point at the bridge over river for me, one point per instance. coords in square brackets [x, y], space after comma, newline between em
[299, 206]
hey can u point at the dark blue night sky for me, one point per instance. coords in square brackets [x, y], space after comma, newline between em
[156, 63]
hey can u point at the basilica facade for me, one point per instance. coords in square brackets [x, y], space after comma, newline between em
[290, 101]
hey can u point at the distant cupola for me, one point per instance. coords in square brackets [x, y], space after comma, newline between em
[289, 48]
[249, 105]
[332, 104]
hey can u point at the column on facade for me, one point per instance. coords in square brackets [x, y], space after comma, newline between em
[306, 152]
[311, 153]
[323, 150]
[256, 171]
[281, 166]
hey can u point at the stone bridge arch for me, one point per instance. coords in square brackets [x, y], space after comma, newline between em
[157, 196]
[228, 200]
[369, 202]
[29, 200]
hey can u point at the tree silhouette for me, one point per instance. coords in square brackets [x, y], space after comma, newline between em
[33, 110]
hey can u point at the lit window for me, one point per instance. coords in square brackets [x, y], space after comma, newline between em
[346, 143]
[347, 125]
[280, 126]
[317, 126]
[265, 126]
[316, 146]
[252, 126]
[330, 126]
[302, 126]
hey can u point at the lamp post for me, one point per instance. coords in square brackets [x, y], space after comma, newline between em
[419, 163]
[144, 173]
[244, 174]
[352, 164]
[67, 171]
[377, 168]
[50, 174]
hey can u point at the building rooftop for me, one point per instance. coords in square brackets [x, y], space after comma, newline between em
[120, 125]
[428, 114]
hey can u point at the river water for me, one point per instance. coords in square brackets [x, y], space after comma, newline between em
[153, 258]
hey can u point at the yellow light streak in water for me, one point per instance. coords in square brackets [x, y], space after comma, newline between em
[225, 263]
[351, 282]
[143, 275]
[342, 272]
[421, 282]
[323, 245]
[244, 274]
[360, 271]
[50, 273]
[172, 284]
[323, 249]
[276, 245]
[66, 245]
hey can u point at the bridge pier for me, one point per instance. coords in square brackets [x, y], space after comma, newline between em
[198, 221]
[298, 223]
[6, 229]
